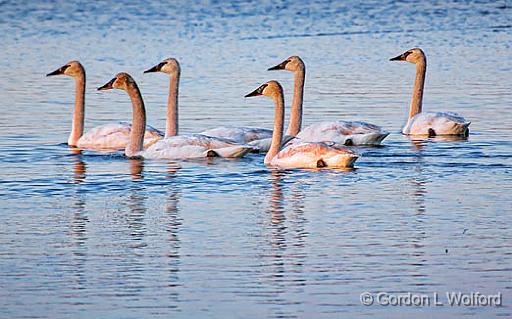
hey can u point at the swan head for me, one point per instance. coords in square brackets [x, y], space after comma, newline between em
[72, 68]
[271, 89]
[293, 63]
[169, 66]
[414, 55]
[122, 81]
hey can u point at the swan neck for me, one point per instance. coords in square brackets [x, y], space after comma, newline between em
[277, 134]
[136, 144]
[77, 126]
[417, 93]
[296, 109]
[171, 126]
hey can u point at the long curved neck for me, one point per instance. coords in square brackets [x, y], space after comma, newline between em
[77, 127]
[171, 125]
[296, 109]
[277, 134]
[136, 144]
[419, 84]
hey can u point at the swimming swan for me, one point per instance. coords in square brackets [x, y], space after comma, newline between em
[343, 132]
[431, 123]
[107, 136]
[302, 154]
[256, 137]
[173, 147]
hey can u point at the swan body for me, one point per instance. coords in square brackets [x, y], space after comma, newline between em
[115, 136]
[301, 154]
[104, 137]
[314, 155]
[431, 124]
[257, 137]
[344, 132]
[172, 147]
[195, 146]
[242, 134]
[436, 123]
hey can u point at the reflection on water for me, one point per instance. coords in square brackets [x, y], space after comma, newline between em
[137, 203]
[417, 140]
[79, 166]
[173, 223]
[276, 212]
[87, 234]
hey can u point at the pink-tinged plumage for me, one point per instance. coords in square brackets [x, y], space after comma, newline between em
[436, 123]
[428, 123]
[314, 155]
[299, 155]
[115, 136]
[342, 132]
[194, 146]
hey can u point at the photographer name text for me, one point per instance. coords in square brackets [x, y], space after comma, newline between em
[452, 299]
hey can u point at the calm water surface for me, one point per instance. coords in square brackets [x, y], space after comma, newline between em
[92, 235]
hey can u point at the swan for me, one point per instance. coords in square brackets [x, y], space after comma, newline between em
[173, 147]
[430, 123]
[301, 154]
[107, 136]
[343, 132]
[254, 137]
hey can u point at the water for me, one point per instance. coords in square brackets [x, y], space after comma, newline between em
[91, 235]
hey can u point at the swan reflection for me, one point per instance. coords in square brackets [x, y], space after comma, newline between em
[79, 166]
[137, 201]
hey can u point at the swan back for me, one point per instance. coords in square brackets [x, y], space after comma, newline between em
[436, 123]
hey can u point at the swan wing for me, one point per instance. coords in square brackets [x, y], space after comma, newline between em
[114, 136]
[437, 123]
[239, 134]
[314, 155]
[342, 132]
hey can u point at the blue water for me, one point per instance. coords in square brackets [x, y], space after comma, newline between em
[94, 235]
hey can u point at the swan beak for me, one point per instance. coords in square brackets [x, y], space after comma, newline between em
[59, 71]
[153, 69]
[258, 91]
[156, 68]
[401, 57]
[253, 93]
[108, 86]
[280, 66]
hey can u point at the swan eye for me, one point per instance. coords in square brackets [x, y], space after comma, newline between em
[407, 53]
[161, 65]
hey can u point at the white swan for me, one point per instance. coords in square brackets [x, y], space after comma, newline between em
[343, 132]
[107, 136]
[173, 147]
[431, 124]
[302, 154]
